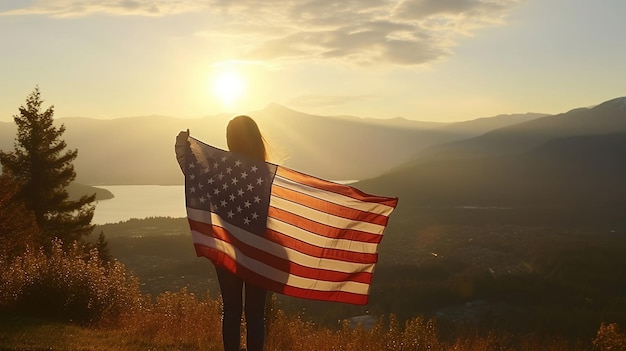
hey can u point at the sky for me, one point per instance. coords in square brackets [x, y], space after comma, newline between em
[428, 60]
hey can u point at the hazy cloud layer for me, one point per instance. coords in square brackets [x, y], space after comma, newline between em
[366, 32]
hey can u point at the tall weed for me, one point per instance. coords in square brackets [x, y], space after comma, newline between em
[178, 319]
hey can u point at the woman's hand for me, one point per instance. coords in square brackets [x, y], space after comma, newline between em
[182, 137]
[181, 147]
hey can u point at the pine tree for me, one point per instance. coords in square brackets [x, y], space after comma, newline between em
[103, 248]
[43, 167]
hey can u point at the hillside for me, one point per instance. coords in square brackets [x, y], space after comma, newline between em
[607, 117]
[139, 150]
[76, 190]
[483, 125]
[571, 163]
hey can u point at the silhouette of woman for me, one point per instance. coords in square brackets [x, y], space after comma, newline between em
[243, 136]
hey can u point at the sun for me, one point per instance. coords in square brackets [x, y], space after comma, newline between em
[228, 87]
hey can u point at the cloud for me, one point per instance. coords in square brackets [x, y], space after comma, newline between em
[416, 9]
[76, 8]
[364, 32]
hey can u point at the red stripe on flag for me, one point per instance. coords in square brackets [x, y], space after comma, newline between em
[328, 207]
[334, 187]
[321, 252]
[254, 278]
[277, 262]
[322, 229]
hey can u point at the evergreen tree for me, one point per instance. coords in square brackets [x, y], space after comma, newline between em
[103, 248]
[43, 167]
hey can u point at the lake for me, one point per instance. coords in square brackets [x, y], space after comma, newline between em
[140, 201]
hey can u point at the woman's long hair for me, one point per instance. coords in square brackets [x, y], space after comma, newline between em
[243, 136]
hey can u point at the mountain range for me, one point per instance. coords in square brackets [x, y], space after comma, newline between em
[572, 162]
[139, 150]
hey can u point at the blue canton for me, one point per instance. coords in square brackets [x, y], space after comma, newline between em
[233, 186]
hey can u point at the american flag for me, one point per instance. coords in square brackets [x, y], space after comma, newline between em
[280, 229]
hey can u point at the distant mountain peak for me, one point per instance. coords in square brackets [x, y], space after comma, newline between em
[276, 109]
[273, 106]
[618, 104]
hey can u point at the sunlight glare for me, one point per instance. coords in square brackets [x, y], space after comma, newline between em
[228, 87]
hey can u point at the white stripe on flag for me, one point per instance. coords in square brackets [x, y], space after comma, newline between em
[372, 207]
[323, 217]
[320, 240]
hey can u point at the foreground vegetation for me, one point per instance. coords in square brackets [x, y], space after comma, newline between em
[181, 321]
[71, 300]
[556, 281]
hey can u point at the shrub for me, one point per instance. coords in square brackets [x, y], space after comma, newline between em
[65, 285]
[609, 338]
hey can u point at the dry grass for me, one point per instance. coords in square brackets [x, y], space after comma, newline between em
[181, 321]
[99, 307]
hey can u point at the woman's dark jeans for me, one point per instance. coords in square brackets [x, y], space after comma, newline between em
[231, 287]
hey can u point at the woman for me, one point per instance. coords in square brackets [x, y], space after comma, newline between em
[244, 137]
